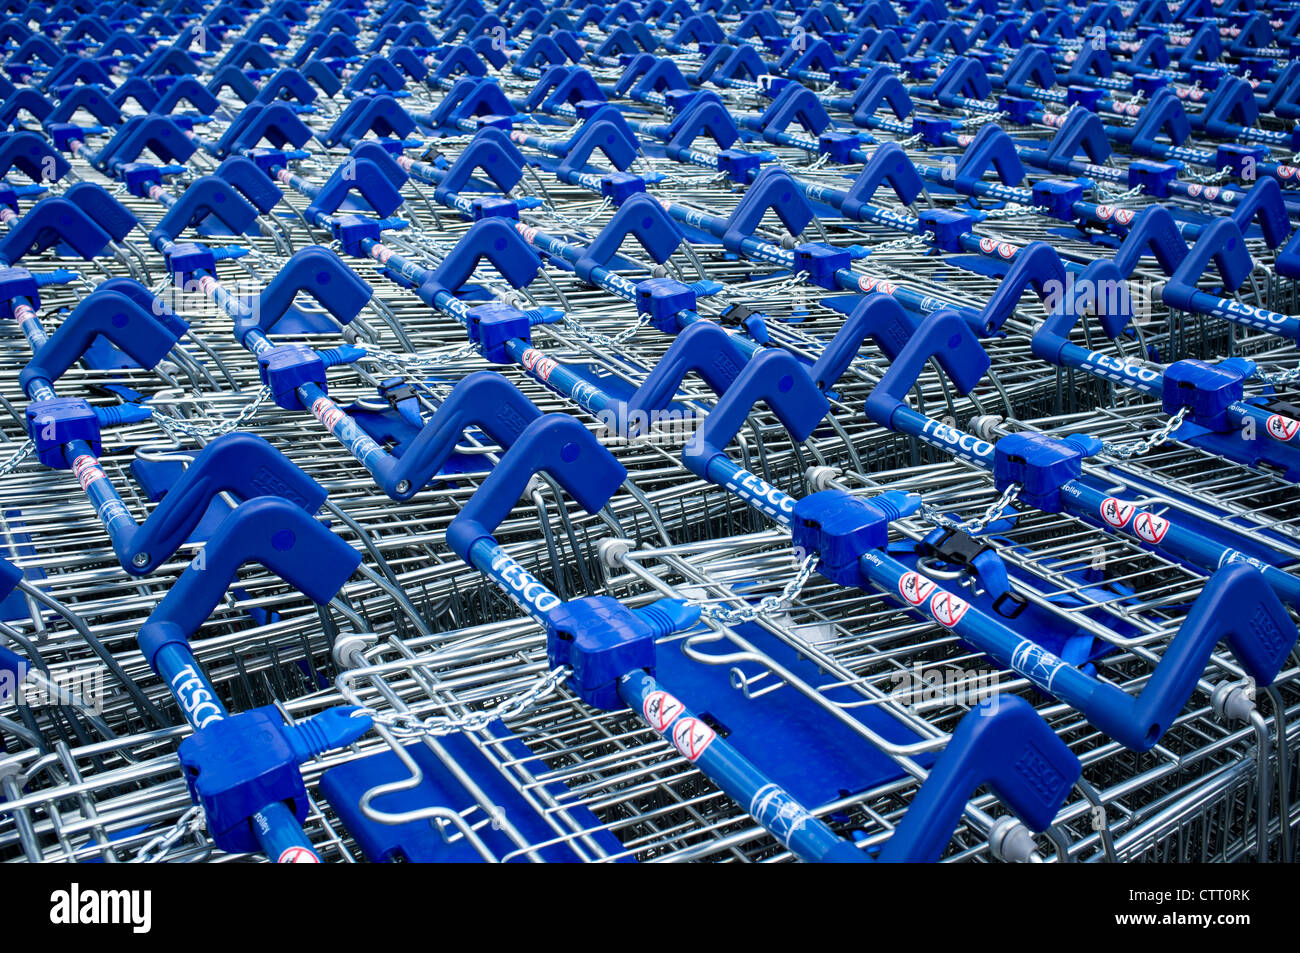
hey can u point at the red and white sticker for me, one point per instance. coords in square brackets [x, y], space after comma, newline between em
[1003, 249]
[326, 411]
[539, 364]
[1286, 171]
[297, 855]
[1150, 527]
[1124, 215]
[1194, 190]
[692, 737]
[1281, 428]
[1117, 512]
[915, 588]
[947, 609]
[87, 470]
[1104, 212]
[661, 710]
[869, 284]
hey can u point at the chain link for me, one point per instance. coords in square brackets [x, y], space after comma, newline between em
[768, 604]
[418, 361]
[22, 453]
[208, 427]
[154, 850]
[1209, 178]
[1137, 448]
[576, 328]
[409, 724]
[1279, 378]
[787, 284]
[981, 119]
[976, 526]
[1114, 198]
[907, 241]
[556, 215]
[1011, 210]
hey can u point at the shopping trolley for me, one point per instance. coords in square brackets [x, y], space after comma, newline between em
[550, 619]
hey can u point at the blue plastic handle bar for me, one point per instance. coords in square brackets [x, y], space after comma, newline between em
[773, 190]
[191, 91]
[53, 221]
[1002, 743]
[888, 165]
[208, 196]
[1221, 242]
[103, 313]
[702, 347]
[555, 444]
[241, 464]
[383, 161]
[991, 147]
[485, 400]
[640, 217]
[33, 156]
[380, 114]
[161, 135]
[316, 271]
[493, 239]
[275, 123]
[1100, 290]
[1036, 266]
[1083, 132]
[288, 83]
[147, 300]
[773, 377]
[1154, 231]
[607, 131]
[361, 176]
[877, 317]
[1264, 204]
[943, 335]
[795, 103]
[242, 173]
[564, 85]
[106, 211]
[490, 152]
[268, 530]
[705, 116]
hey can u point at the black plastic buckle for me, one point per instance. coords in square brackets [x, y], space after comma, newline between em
[1018, 604]
[735, 315]
[956, 547]
[395, 391]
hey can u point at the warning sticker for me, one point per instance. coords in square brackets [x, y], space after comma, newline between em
[1281, 428]
[87, 471]
[661, 710]
[692, 737]
[326, 411]
[297, 855]
[948, 609]
[915, 588]
[1116, 512]
[1150, 527]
